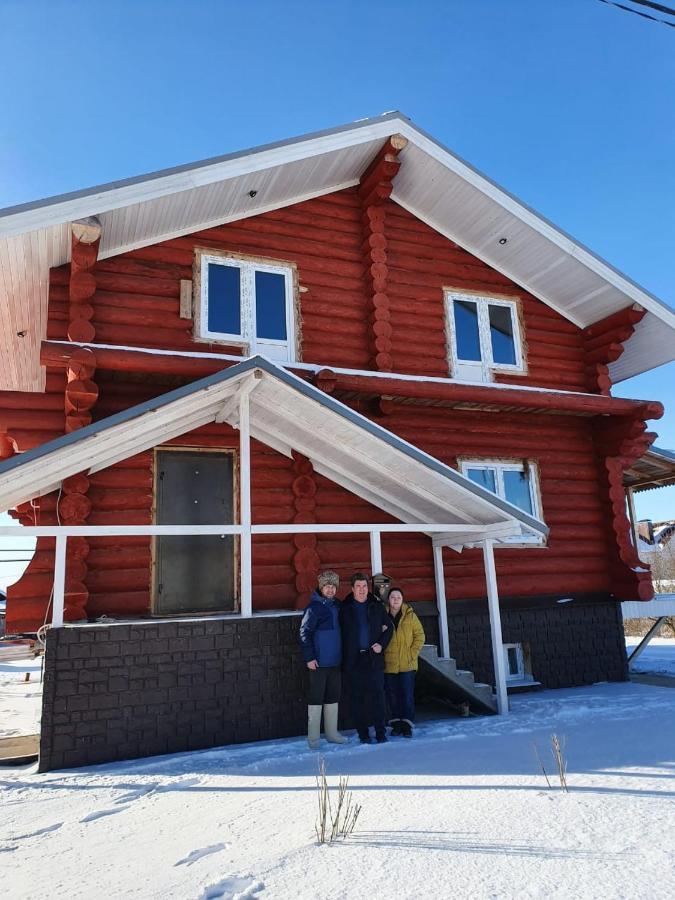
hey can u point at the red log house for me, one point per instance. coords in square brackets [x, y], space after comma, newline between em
[375, 268]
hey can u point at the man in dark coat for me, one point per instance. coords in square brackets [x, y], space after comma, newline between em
[366, 631]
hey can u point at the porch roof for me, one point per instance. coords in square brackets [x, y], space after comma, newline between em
[286, 413]
[653, 470]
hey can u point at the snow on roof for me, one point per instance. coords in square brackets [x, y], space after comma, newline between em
[433, 184]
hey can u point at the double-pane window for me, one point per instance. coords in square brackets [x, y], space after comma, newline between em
[483, 336]
[248, 302]
[513, 482]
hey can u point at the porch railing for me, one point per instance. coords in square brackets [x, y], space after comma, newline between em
[246, 531]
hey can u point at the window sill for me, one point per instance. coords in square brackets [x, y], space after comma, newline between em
[521, 685]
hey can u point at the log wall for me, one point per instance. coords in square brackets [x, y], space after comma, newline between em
[344, 311]
[136, 302]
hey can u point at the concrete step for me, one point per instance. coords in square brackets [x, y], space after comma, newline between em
[457, 685]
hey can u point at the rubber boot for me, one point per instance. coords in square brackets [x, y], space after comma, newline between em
[314, 727]
[330, 718]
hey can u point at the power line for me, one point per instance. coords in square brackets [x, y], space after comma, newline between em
[638, 13]
[659, 7]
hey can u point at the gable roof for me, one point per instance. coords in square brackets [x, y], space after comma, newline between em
[433, 184]
[285, 413]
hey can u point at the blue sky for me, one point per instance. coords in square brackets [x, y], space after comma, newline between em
[568, 105]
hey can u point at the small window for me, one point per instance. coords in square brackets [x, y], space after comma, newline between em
[514, 482]
[515, 663]
[483, 336]
[248, 303]
[518, 664]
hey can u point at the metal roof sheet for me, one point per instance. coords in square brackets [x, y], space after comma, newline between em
[433, 184]
[655, 469]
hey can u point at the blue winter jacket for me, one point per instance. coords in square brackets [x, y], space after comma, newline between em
[320, 634]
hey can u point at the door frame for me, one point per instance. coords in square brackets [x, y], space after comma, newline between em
[192, 448]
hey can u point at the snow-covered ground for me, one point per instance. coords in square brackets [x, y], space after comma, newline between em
[20, 700]
[657, 658]
[462, 810]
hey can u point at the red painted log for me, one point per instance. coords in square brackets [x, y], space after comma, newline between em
[76, 484]
[617, 335]
[630, 316]
[118, 579]
[119, 603]
[121, 500]
[130, 517]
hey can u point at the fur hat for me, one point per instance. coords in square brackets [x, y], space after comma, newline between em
[329, 577]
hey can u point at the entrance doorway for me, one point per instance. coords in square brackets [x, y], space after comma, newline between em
[194, 573]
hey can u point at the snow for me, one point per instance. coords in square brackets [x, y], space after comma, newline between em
[20, 700]
[658, 658]
[462, 810]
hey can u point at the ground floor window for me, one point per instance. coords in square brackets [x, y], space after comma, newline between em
[515, 482]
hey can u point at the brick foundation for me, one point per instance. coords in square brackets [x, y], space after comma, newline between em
[122, 691]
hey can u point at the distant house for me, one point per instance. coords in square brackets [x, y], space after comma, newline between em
[405, 343]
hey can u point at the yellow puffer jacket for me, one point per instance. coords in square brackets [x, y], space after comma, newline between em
[405, 645]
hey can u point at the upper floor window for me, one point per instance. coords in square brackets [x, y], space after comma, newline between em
[515, 482]
[483, 336]
[249, 303]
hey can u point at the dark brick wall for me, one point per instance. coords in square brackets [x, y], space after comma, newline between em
[571, 644]
[123, 691]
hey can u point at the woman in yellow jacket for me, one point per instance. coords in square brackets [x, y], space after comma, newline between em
[400, 663]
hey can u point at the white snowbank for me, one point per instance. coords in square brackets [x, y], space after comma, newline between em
[658, 658]
[20, 700]
[462, 811]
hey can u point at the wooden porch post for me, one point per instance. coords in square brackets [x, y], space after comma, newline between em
[439, 574]
[59, 581]
[246, 592]
[375, 552]
[495, 628]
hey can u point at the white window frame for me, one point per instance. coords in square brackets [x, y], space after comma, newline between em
[521, 674]
[499, 466]
[278, 350]
[483, 369]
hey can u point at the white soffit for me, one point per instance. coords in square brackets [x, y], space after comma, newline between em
[432, 184]
[285, 413]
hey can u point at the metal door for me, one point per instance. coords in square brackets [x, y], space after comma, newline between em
[195, 573]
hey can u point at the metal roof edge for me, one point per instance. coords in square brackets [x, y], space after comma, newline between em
[660, 451]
